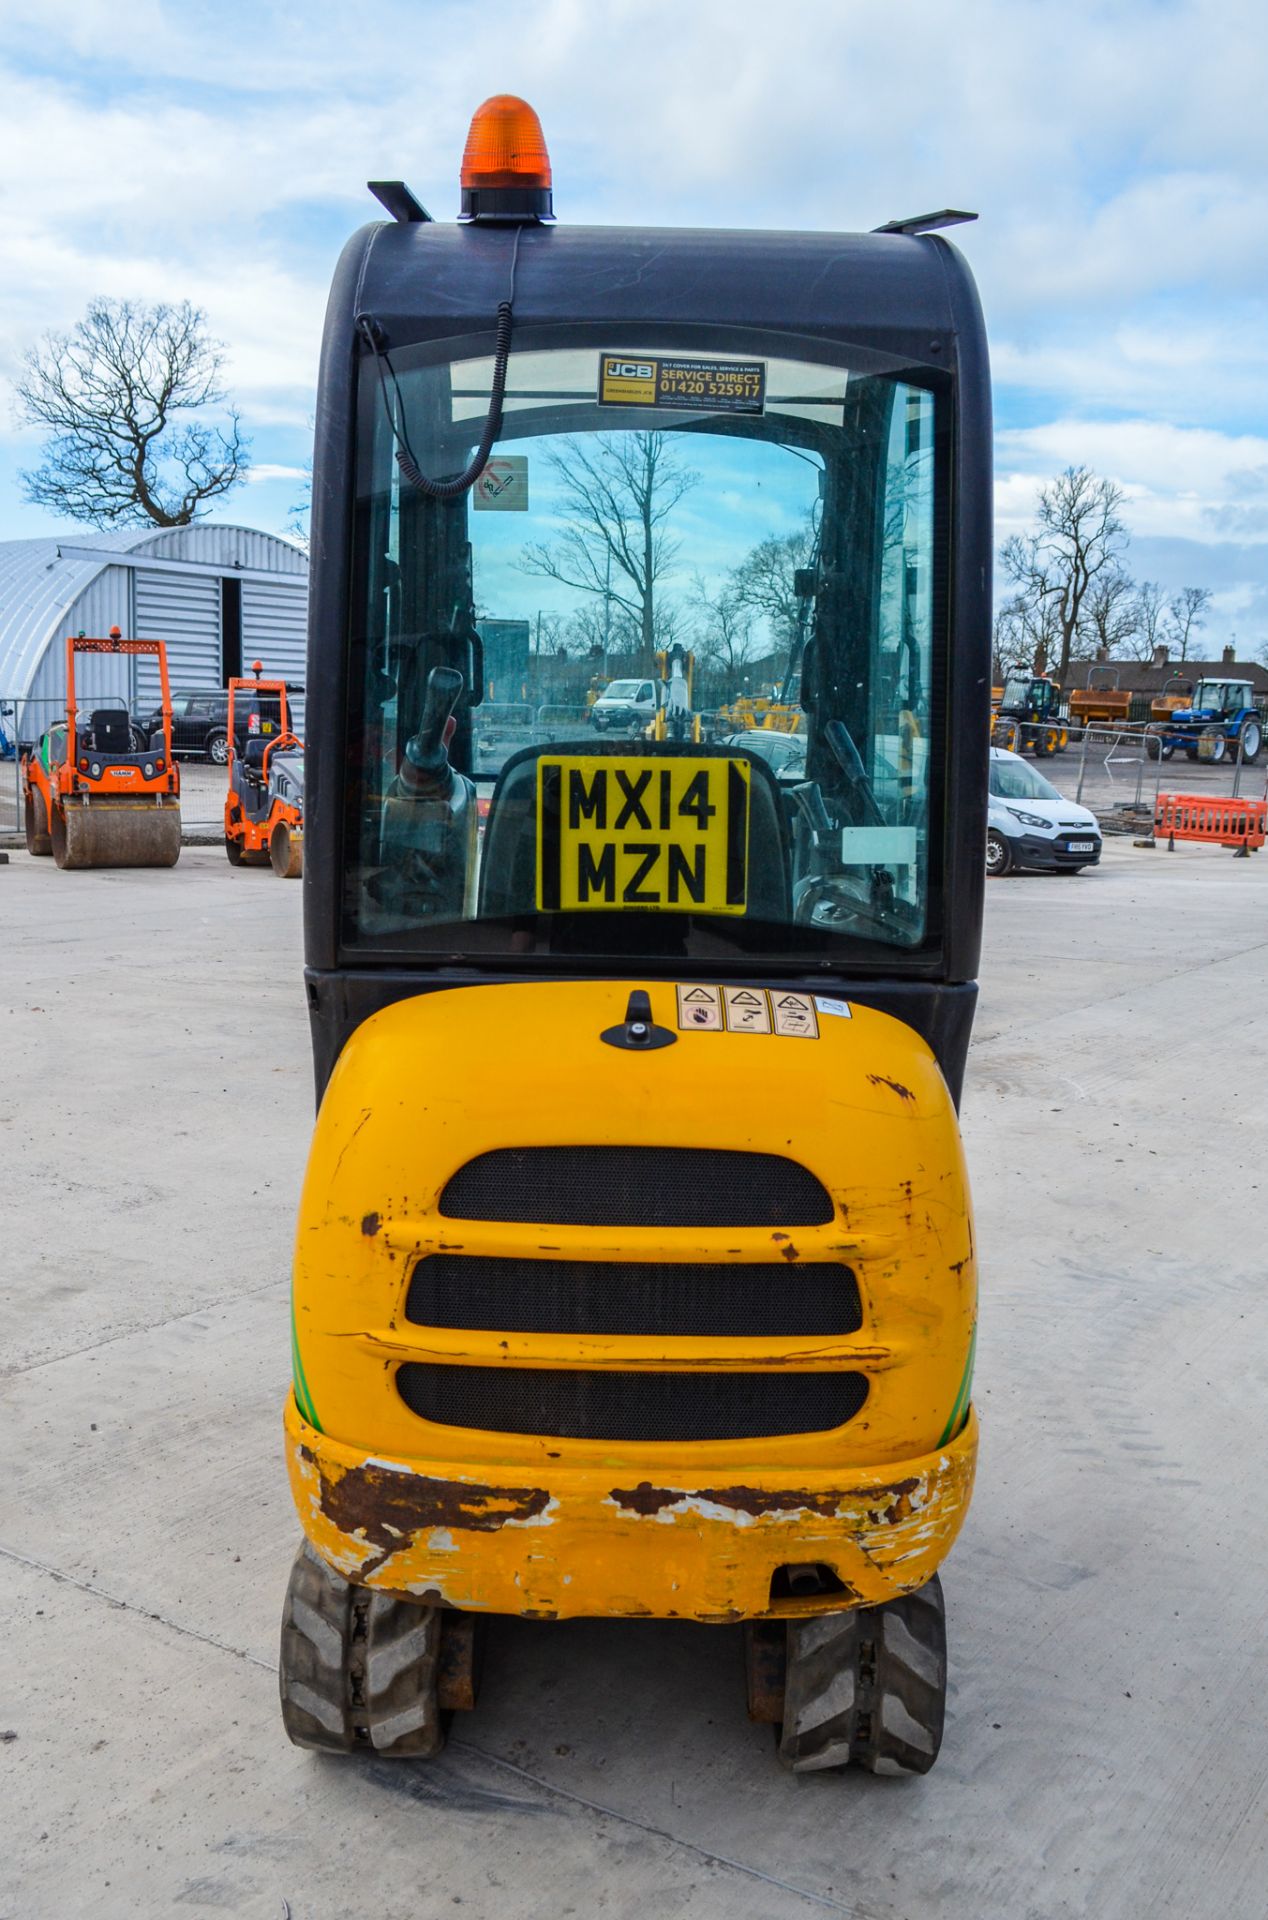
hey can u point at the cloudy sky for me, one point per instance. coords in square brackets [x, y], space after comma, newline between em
[1116, 152]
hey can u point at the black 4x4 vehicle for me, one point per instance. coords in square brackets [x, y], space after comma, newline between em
[200, 721]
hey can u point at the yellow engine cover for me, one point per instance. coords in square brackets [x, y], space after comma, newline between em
[514, 1522]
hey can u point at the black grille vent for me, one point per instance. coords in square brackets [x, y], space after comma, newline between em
[636, 1187]
[631, 1406]
[782, 1299]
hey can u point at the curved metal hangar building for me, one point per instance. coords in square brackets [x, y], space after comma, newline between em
[220, 596]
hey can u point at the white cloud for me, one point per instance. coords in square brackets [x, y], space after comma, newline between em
[218, 153]
[1180, 482]
[264, 471]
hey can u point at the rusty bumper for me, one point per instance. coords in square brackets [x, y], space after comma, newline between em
[594, 1541]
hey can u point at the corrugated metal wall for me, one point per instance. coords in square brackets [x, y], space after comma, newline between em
[99, 678]
[149, 596]
[275, 631]
[184, 610]
[228, 549]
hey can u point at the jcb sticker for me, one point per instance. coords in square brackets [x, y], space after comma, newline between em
[625, 382]
[747, 1010]
[700, 1009]
[626, 832]
[693, 386]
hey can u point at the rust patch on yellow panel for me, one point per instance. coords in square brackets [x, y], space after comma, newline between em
[370, 1224]
[387, 1508]
[895, 1086]
[647, 1499]
[897, 1507]
[887, 1505]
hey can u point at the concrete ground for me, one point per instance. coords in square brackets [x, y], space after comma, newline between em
[1106, 1753]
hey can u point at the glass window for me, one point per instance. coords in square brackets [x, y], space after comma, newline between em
[1222, 696]
[1015, 780]
[763, 540]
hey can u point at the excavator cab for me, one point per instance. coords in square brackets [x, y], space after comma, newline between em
[1028, 719]
[635, 1273]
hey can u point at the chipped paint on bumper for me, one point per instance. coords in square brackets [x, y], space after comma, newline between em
[617, 1542]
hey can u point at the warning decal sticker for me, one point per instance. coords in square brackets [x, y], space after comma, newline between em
[503, 485]
[795, 1015]
[747, 1010]
[694, 386]
[700, 1007]
[791, 1016]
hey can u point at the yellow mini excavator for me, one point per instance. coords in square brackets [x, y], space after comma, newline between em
[634, 1273]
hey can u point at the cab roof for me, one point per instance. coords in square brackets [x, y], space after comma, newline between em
[905, 297]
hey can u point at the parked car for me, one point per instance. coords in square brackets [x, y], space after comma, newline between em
[200, 721]
[784, 753]
[1031, 824]
[623, 706]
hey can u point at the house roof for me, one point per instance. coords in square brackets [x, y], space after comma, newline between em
[1142, 676]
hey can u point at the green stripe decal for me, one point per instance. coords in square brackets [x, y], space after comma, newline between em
[303, 1399]
[960, 1410]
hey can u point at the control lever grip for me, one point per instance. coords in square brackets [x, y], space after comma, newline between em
[425, 768]
[810, 799]
[844, 751]
[841, 744]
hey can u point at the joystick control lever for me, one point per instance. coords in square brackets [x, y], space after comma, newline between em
[425, 770]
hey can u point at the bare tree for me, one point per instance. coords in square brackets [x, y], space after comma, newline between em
[1110, 612]
[1079, 537]
[725, 636]
[586, 630]
[299, 524]
[1025, 635]
[117, 393]
[765, 580]
[1186, 613]
[1149, 608]
[618, 496]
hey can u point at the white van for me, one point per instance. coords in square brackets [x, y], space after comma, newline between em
[1030, 824]
[624, 705]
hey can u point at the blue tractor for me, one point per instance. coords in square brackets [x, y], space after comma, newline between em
[1223, 717]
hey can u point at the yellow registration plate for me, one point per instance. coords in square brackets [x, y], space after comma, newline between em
[641, 832]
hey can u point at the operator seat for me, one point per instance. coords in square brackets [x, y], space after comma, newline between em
[508, 867]
[246, 776]
[110, 731]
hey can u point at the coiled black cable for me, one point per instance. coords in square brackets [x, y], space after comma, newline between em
[452, 489]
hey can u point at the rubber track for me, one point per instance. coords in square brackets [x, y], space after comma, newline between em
[868, 1687]
[358, 1668]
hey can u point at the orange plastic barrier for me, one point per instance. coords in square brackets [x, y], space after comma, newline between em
[1225, 823]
